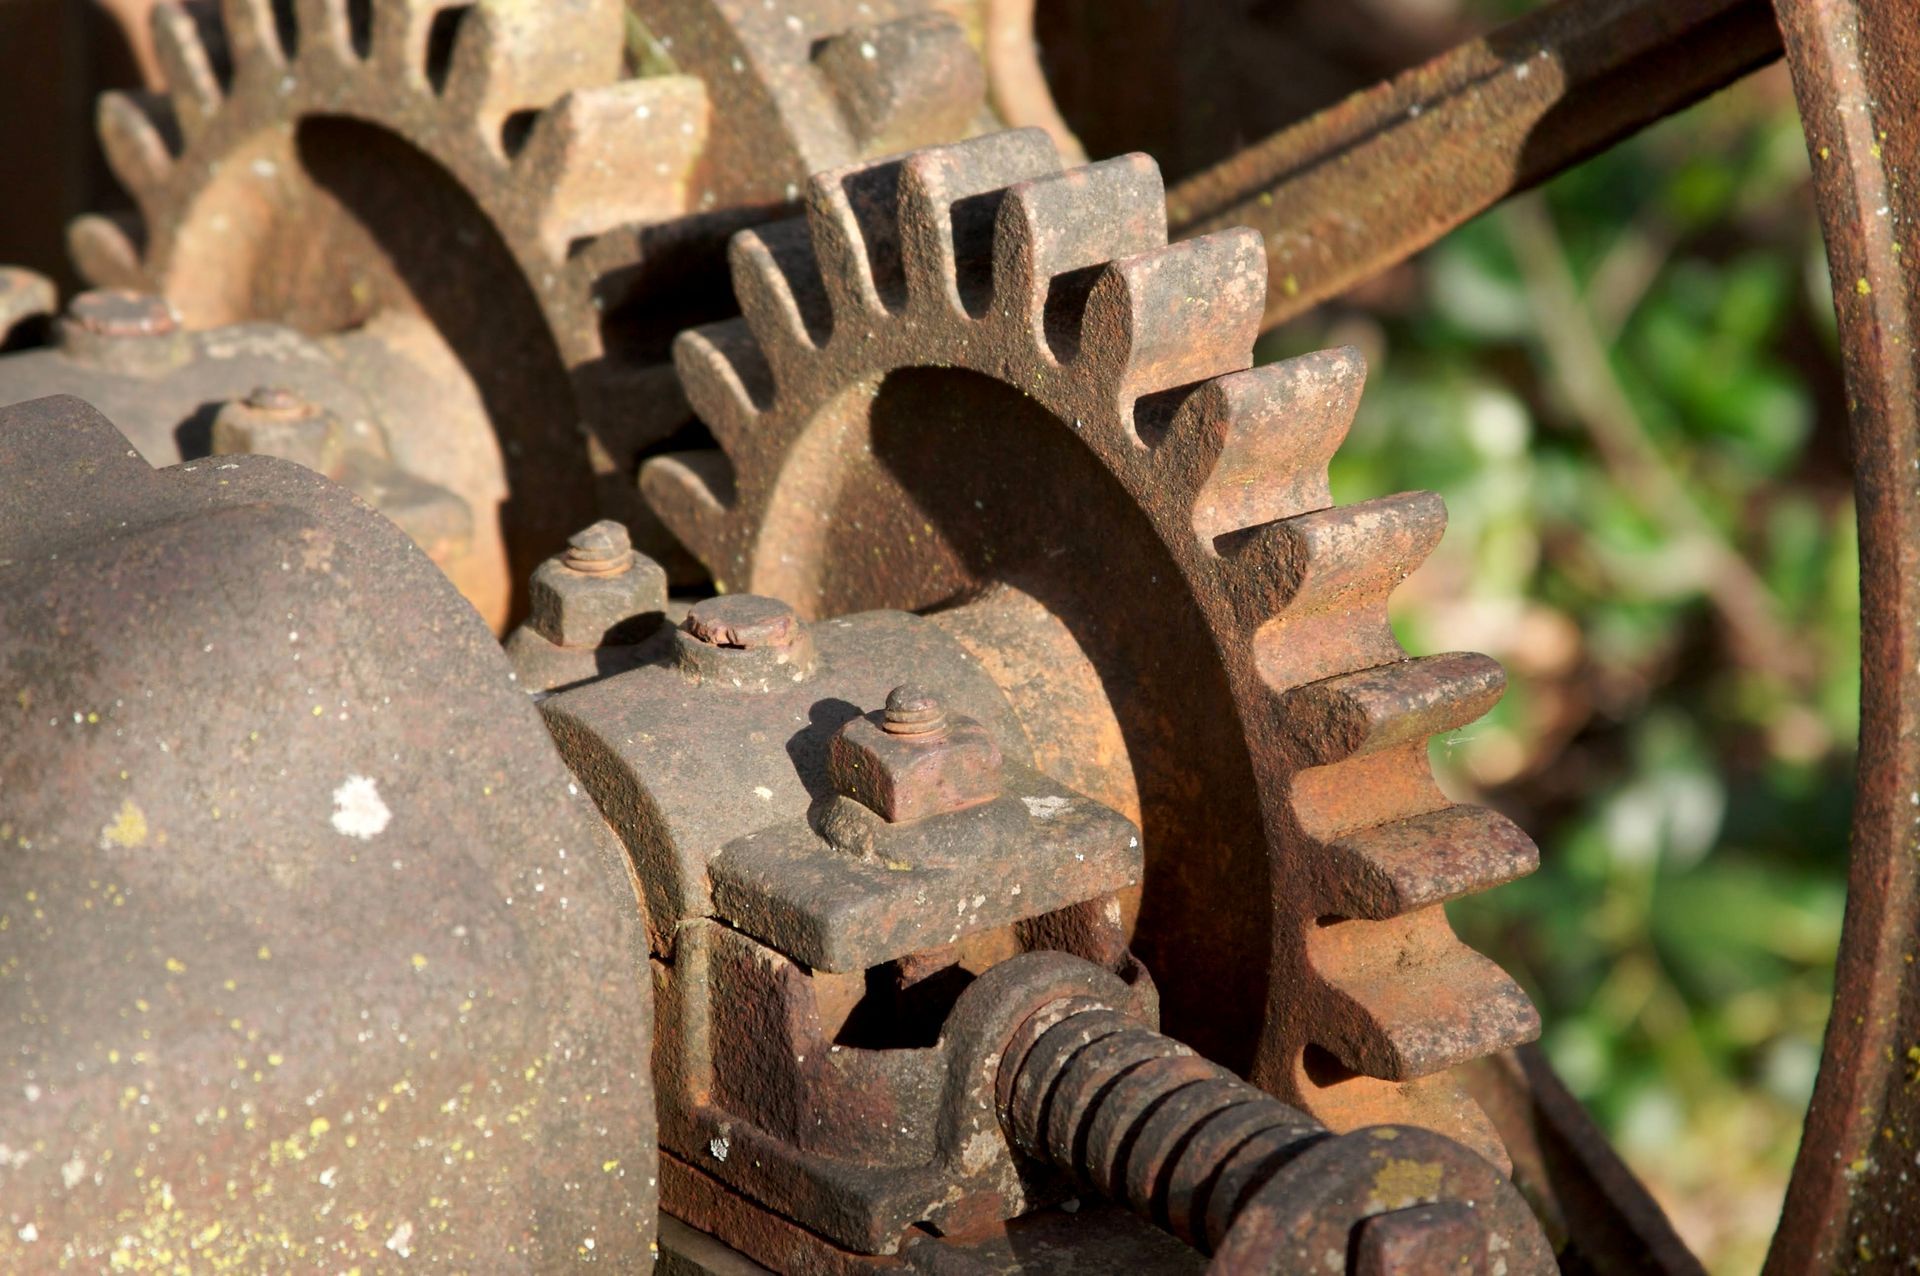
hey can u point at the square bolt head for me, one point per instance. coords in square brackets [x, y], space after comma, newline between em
[578, 609]
[909, 777]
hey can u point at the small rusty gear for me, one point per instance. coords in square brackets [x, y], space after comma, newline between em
[549, 185]
[970, 383]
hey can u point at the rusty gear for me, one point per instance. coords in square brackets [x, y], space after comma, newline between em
[968, 376]
[499, 169]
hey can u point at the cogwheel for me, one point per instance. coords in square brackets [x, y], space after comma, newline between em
[549, 184]
[972, 384]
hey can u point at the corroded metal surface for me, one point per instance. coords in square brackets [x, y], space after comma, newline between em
[501, 170]
[810, 943]
[968, 370]
[1852, 1202]
[1140, 1119]
[310, 954]
[385, 409]
[1366, 184]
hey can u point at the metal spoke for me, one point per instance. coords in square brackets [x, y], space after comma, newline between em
[1351, 191]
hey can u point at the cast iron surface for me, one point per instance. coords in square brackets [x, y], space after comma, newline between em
[969, 373]
[549, 185]
[311, 955]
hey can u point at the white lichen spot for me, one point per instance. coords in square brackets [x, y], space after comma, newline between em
[401, 1242]
[1045, 808]
[358, 810]
[719, 1147]
[72, 1172]
[29, 1233]
[762, 792]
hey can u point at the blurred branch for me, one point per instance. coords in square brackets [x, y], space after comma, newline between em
[1581, 371]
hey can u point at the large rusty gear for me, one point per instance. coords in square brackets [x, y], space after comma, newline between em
[971, 381]
[547, 184]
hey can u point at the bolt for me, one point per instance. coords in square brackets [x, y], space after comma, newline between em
[118, 312]
[912, 710]
[745, 621]
[274, 400]
[603, 549]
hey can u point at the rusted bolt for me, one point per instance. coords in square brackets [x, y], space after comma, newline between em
[604, 549]
[744, 642]
[914, 759]
[128, 332]
[278, 401]
[121, 313]
[912, 710]
[272, 421]
[745, 621]
[1423, 1238]
[597, 592]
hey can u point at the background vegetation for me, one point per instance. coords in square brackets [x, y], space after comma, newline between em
[1627, 389]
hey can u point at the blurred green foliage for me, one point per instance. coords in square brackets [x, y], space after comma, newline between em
[1626, 388]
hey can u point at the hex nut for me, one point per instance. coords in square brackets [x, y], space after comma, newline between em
[910, 777]
[596, 609]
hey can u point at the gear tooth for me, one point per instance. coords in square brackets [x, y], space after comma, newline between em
[512, 58]
[1053, 232]
[851, 218]
[615, 155]
[777, 282]
[322, 22]
[692, 492]
[949, 199]
[140, 139]
[911, 82]
[251, 34]
[1175, 316]
[1270, 432]
[106, 252]
[1310, 581]
[1396, 868]
[1406, 999]
[402, 33]
[1355, 714]
[186, 67]
[726, 378]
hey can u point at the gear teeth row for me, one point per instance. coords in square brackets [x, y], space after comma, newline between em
[986, 256]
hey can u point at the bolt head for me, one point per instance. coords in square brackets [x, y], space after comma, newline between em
[120, 312]
[745, 621]
[276, 400]
[913, 710]
[601, 549]
[911, 776]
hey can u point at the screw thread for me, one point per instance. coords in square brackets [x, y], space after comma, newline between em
[1140, 1118]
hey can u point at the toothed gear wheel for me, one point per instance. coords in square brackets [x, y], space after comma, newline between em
[972, 384]
[549, 184]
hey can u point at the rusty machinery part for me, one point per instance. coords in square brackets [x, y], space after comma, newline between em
[1262, 1186]
[309, 953]
[864, 926]
[549, 186]
[973, 384]
[1365, 184]
[341, 405]
[818, 886]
